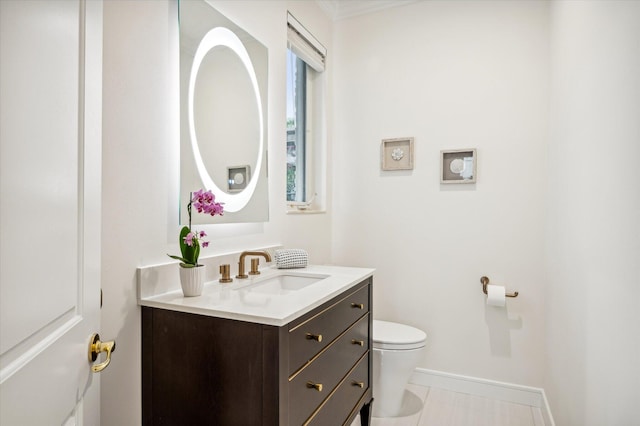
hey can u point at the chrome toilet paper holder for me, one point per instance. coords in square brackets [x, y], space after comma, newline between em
[485, 282]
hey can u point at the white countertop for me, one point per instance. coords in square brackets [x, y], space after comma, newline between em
[238, 301]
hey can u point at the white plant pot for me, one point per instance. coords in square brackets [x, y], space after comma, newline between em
[192, 280]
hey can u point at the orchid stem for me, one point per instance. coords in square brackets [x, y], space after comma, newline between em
[189, 208]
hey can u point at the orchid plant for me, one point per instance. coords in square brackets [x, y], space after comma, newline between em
[190, 241]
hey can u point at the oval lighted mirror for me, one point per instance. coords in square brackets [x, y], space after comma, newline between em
[223, 115]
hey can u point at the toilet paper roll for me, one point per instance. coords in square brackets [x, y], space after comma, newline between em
[496, 295]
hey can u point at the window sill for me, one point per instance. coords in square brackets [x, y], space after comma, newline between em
[305, 211]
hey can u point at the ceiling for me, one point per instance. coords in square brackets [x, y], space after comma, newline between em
[342, 9]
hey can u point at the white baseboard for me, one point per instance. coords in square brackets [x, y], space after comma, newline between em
[502, 391]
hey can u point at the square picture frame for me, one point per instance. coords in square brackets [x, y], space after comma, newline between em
[238, 177]
[458, 166]
[396, 154]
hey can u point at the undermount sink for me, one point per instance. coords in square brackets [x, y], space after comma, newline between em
[282, 283]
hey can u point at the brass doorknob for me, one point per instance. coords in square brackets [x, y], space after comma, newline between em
[95, 347]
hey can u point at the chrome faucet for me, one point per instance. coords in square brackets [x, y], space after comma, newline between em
[254, 269]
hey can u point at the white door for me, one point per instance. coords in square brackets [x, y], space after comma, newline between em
[50, 171]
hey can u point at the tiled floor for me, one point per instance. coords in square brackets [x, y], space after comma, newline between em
[424, 406]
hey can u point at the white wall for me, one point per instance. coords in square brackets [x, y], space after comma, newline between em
[140, 180]
[593, 287]
[461, 74]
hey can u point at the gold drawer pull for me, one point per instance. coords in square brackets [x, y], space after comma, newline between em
[317, 337]
[357, 342]
[316, 386]
[358, 384]
[357, 305]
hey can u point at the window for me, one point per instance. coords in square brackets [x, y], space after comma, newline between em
[305, 113]
[296, 127]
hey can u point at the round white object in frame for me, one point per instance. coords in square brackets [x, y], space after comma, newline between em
[457, 166]
[397, 154]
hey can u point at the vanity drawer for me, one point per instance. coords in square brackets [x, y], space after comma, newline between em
[327, 370]
[310, 336]
[336, 410]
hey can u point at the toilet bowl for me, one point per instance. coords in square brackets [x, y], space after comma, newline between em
[397, 349]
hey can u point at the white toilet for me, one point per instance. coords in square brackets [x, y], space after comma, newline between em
[397, 349]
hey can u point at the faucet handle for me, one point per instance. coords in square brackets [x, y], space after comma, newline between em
[254, 266]
[225, 271]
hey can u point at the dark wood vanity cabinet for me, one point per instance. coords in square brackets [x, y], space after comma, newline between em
[316, 370]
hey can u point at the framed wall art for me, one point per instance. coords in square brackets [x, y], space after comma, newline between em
[397, 154]
[458, 166]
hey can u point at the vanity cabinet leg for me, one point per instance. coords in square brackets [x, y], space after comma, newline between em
[365, 414]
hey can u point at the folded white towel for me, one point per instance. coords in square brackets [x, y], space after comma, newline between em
[291, 258]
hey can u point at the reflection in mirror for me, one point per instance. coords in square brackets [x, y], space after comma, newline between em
[223, 114]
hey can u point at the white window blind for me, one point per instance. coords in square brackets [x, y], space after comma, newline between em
[305, 45]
